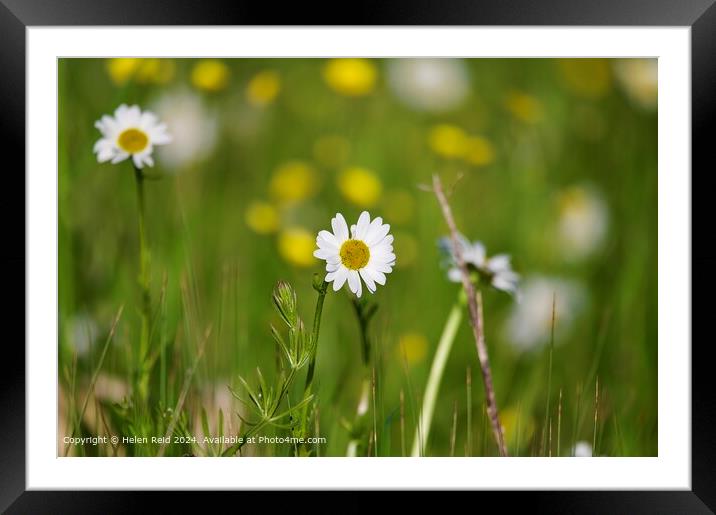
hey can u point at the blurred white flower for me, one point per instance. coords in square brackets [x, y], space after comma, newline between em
[194, 129]
[582, 450]
[583, 222]
[433, 85]
[81, 333]
[529, 325]
[640, 80]
[496, 270]
[130, 133]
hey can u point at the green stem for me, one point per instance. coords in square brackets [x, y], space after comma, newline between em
[144, 279]
[363, 315]
[436, 373]
[322, 289]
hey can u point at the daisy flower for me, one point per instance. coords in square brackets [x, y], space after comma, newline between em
[365, 253]
[130, 132]
[496, 270]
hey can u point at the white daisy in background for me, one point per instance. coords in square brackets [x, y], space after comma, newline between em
[432, 85]
[583, 222]
[582, 449]
[495, 270]
[529, 325]
[81, 333]
[640, 80]
[366, 253]
[194, 129]
[130, 132]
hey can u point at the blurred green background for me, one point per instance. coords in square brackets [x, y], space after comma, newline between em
[557, 166]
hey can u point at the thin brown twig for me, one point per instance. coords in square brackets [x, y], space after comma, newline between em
[474, 302]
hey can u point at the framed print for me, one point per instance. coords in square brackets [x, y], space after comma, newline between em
[451, 251]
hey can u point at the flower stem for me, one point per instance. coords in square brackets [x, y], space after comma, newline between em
[322, 289]
[422, 431]
[144, 279]
[364, 312]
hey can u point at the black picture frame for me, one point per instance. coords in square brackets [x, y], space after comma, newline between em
[17, 15]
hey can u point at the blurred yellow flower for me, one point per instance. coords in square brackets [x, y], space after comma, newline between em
[351, 77]
[398, 206]
[263, 88]
[293, 181]
[157, 71]
[406, 247]
[479, 151]
[360, 186]
[121, 69]
[210, 75]
[448, 141]
[296, 246]
[262, 217]
[524, 107]
[412, 347]
[332, 150]
[589, 78]
[519, 426]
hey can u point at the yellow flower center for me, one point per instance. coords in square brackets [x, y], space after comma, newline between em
[354, 254]
[132, 141]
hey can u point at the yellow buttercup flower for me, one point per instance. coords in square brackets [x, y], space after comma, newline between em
[156, 71]
[412, 347]
[262, 217]
[351, 77]
[293, 181]
[296, 246]
[210, 75]
[263, 88]
[524, 107]
[479, 151]
[360, 186]
[121, 69]
[589, 78]
[448, 141]
[331, 151]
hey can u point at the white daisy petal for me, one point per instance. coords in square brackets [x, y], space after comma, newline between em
[377, 234]
[498, 263]
[382, 267]
[324, 253]
[362, 225]
[340, 278]
[455, 275]
[375, 275]
[326, 239]
[353, 281]
[120, 156]
[370, 284]
[340, 228]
